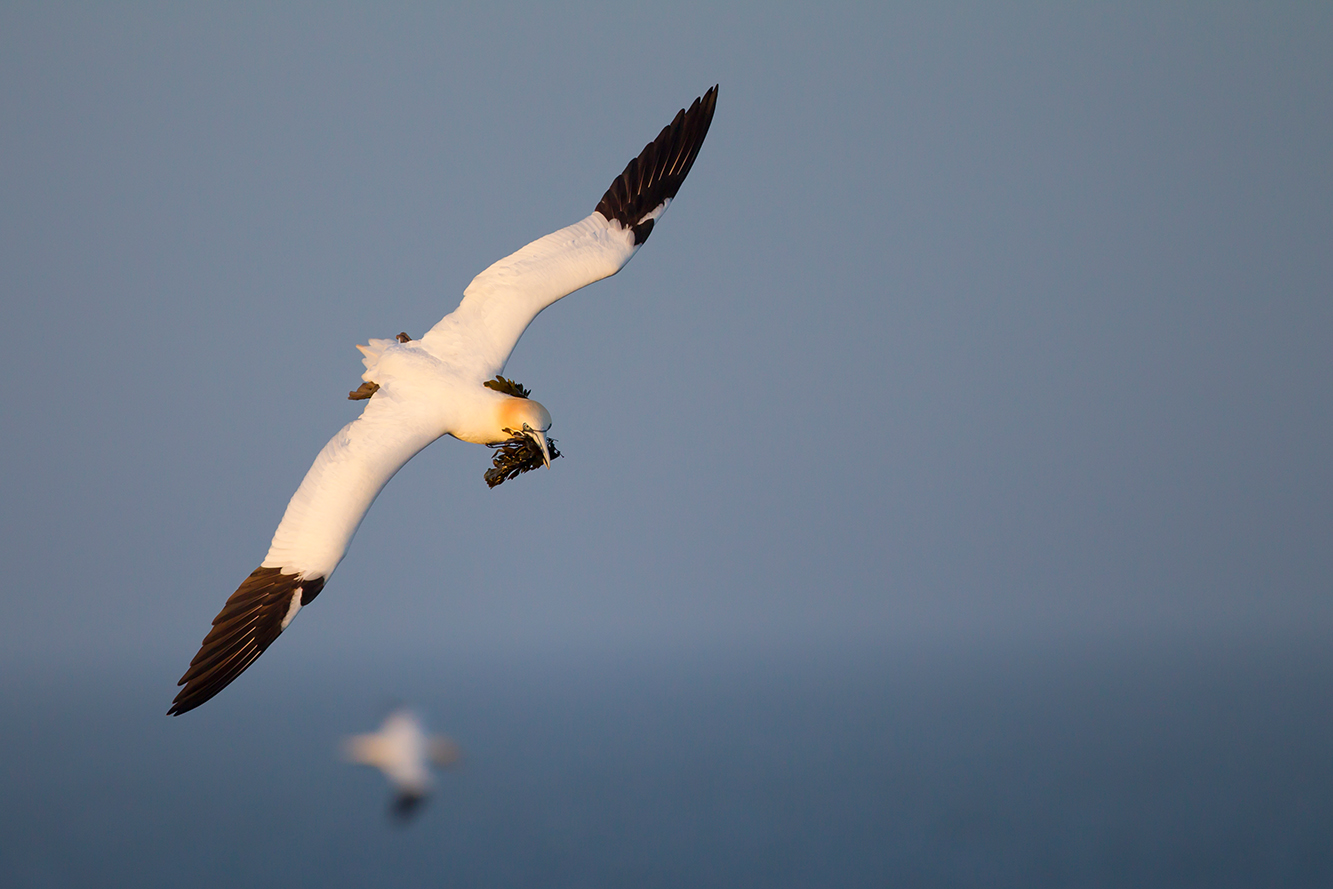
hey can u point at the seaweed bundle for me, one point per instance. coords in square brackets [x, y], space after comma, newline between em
[515, 456]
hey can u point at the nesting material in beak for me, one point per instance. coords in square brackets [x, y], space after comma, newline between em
[522, 451]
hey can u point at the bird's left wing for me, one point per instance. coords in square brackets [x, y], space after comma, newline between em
[310, 541]
[443, 751]
[500, 302]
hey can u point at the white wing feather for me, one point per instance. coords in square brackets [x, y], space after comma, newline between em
[344, 481]
[501, 302]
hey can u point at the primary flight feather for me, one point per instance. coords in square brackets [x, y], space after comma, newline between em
[446, 383]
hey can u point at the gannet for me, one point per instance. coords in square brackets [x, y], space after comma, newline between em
[403, 751]
[445, 383]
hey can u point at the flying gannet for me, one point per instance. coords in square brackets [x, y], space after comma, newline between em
[403, 751]
[445, 383]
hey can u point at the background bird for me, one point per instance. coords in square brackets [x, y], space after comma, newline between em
[445, 383]
[403, 751]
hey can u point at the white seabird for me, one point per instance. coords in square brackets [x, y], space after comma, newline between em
[403, 751]
[446, 383]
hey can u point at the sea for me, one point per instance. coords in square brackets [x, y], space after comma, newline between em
[1025, 765]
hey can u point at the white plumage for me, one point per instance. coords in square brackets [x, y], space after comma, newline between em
[441, 384]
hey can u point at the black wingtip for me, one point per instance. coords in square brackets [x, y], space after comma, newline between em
[242, 631]
[657, 173]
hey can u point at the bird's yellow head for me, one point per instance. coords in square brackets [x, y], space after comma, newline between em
[518, 413]
[525, 423]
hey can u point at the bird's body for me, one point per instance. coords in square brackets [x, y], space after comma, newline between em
[440, 384]
[420, 398]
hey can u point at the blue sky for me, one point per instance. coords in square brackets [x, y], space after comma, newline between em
[971, 322]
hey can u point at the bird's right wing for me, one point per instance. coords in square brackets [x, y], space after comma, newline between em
[500, 302]
[310, 541]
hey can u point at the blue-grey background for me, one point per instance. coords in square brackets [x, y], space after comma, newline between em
[947, 488]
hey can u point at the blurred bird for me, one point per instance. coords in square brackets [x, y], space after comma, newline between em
[402, 750]
[446, 383]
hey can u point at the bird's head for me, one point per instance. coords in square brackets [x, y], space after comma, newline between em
[525, 422]
[523, 416]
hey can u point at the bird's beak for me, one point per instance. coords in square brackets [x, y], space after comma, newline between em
[540, 437]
